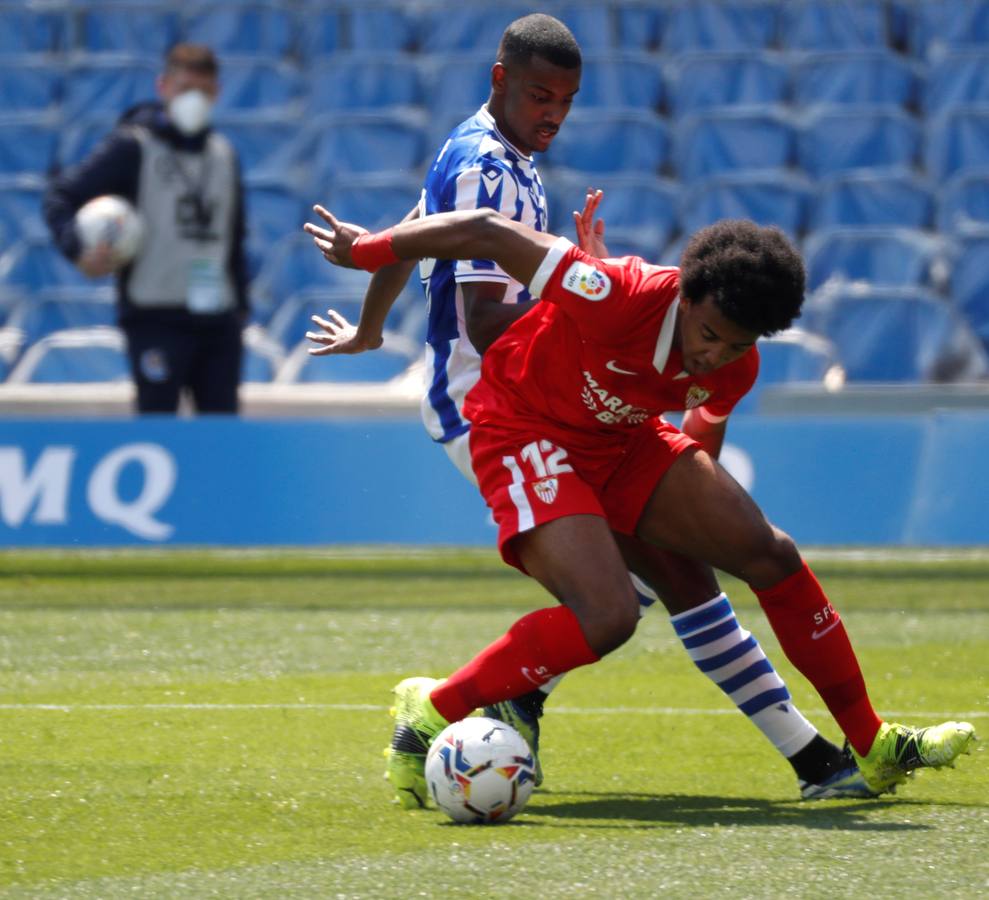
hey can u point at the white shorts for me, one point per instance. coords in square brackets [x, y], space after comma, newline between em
[458, 450]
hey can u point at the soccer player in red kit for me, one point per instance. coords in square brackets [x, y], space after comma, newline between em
[568, 445]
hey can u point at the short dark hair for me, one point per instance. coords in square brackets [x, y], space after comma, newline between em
[754, 274]
[196, 58]
[539, 35]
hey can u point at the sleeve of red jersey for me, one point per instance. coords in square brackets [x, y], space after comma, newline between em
[597, 292]
[737, 379]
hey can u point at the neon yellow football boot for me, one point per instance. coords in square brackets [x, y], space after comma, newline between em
[416, 724]
[898, 749]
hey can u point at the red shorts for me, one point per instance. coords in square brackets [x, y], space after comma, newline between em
[529, 479]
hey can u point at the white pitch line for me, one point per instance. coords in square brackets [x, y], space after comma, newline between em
[372, 707]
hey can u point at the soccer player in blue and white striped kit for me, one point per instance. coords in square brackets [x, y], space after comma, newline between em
[487, 162]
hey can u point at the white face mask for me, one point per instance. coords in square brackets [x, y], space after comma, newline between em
[190, 111]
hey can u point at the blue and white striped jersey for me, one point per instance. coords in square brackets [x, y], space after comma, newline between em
[476, 167]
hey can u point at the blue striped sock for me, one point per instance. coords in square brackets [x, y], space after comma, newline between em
[733, 659]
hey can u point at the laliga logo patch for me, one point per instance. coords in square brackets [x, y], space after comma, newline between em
[586, 281]
[696, 396]
[546, 490]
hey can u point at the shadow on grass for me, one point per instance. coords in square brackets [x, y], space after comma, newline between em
[624, 810]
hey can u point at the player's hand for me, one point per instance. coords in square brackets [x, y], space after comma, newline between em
[97, 261]
[339, 336]
[590, 233]
[334, 242]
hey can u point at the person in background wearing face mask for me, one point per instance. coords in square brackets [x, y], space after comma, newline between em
[183, 298]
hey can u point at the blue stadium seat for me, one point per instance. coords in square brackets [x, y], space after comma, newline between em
[854, 77]
[28, 143]
[939, 25]
[10, 349]
[839, 140]
[870, 198]
[604, 141]
[374, 201]
[963, 202]
[130, 27]
[591, 23]
[957, 140]
[714, 25]
[340, 145]
[766, 197]
[970, 281]
[733, 139]
[321, 31]
[451, 100]
[266, 29]
[639, 211]
[29, 84]
[262, 85]
[379, 366]
[640, 25]
[74, 356]
[376, 27]
[898, 336]
[833, 24]
[621, 79]
[55, 309]
[33, 263]
[450, 26]
[263, 356]
[349, 81]
[274, 210]
[960, 78]
[108, 83]
[80, 137]
[894, 257]
[20, 208]
[31, 29]
[697, 82]
[269, 146]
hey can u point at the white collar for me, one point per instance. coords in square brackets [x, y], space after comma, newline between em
[665, 341]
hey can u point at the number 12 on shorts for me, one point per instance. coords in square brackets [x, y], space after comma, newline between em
[544, 458]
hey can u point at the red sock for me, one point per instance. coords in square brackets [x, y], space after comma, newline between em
[537, 647]
[813, 638]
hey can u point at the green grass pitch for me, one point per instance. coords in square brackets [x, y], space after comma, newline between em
[210, 724]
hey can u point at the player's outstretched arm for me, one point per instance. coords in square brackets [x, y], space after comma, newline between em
[477, 234]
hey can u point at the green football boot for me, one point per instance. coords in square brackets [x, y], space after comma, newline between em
[899, 749]
[523, 715]
[416, 724]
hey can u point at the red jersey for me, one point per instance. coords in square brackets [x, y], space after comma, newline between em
[596, 357]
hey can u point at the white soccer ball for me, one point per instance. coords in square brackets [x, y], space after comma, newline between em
[111, 220]
[480, 771]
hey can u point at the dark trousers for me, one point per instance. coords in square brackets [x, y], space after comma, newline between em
[203, 356]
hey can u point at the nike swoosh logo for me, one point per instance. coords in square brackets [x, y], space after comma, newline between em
[539, 682]
[612, 366]
[815, 635]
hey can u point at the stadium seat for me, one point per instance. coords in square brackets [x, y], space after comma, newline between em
[604, 141]
[274, 210]
[148, 28]
[54, 309]
[10, 349]
[28, 143]
[940, 25]
[616, 80]
[270, 146]
[639, 25]
[963, 202]
[264, 29]
[377, 27]
[733, 139]
[388, 362]
[108, 83]
[714, 25]
[591, 23]
[375, 201]
[894, 257]
[263, 356]
[854, 77]
[766, 197]
[833, 24]
[33, 263]
[31, 29]
[838, 140]
[80, 137]
[261, 85]
[898, 336]
[74, 356]
[697, 82]
[321, 30]
[970, 281]
[868, 198]
[793, 356]
[353, 81]
[20, 208]
[29, 84]
[957, 140]
[340, 145]
[451, 100]
[451, 26]
[960, 78]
